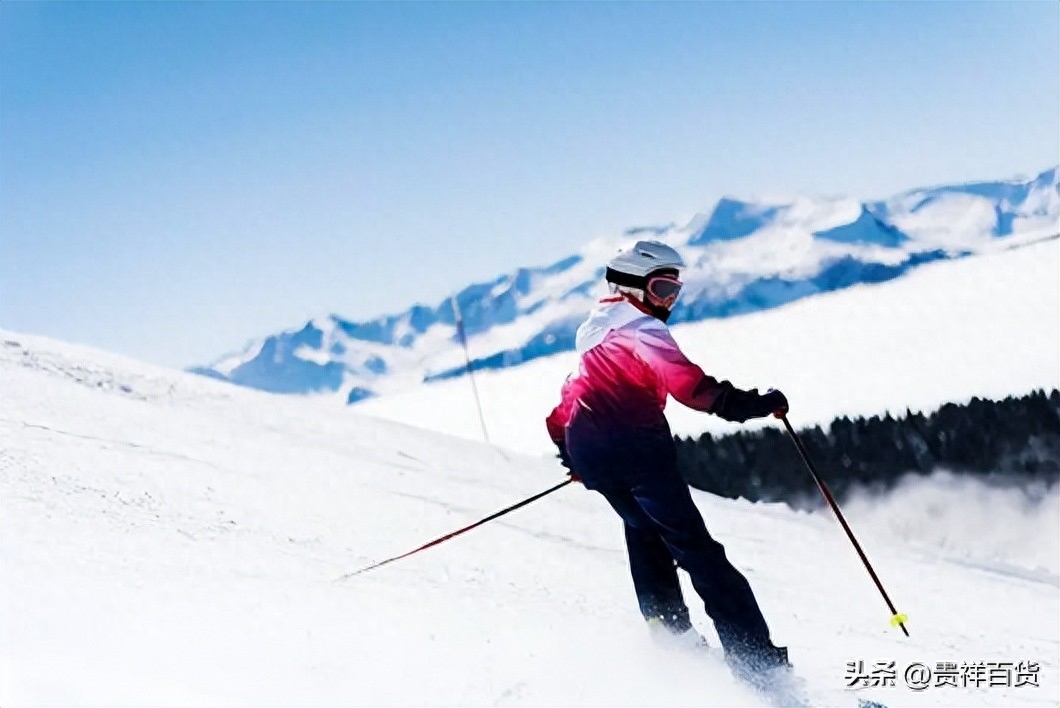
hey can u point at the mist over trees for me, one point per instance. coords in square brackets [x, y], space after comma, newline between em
[1015, 441]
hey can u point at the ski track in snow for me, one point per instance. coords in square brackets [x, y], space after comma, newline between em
[166, 539]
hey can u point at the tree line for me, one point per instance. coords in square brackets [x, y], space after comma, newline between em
[1016, 440]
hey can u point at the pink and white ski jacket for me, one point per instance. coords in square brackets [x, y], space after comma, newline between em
[629, 364]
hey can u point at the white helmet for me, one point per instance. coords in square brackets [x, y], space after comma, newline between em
[632, 272]
[642, 258]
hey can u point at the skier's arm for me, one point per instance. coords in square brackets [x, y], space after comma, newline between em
[687, 383]
[557, 420]
[556, 423]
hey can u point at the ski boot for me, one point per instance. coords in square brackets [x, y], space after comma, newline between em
[676, 636]
[770, 674]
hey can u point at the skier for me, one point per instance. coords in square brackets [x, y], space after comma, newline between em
[613, 437]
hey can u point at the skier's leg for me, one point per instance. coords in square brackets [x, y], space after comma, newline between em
[605, 459]
[726, 594]
[655, 580]
[651, 565]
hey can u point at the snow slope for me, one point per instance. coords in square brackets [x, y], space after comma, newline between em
[166, 539]
[981, 326]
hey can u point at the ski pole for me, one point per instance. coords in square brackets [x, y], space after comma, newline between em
[450, 535]
[897, 619]
[470, 372]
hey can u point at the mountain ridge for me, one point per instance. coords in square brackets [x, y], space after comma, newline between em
[743, 256]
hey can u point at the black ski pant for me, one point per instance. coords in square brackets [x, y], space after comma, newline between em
[636, 472]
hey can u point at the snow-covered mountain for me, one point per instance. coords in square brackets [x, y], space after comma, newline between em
[987, 325]
[167, 540]
[743, 256]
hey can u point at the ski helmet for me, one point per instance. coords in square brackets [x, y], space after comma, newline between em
[648, 271]
[632, 266]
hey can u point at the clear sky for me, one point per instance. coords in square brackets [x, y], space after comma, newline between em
[176, 178]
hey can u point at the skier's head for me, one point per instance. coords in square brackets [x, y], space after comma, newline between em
[648, 272]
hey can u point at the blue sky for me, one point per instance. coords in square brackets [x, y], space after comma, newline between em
[176, 178]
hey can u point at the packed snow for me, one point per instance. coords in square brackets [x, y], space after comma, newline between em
[166, 539]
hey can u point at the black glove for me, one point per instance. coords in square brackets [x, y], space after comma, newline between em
[564, 459]
[564, 456]
[736, 405]
[775, 402]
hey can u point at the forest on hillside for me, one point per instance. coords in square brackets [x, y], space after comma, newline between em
[1015, 441]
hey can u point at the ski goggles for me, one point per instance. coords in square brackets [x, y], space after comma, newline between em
[662, 290]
